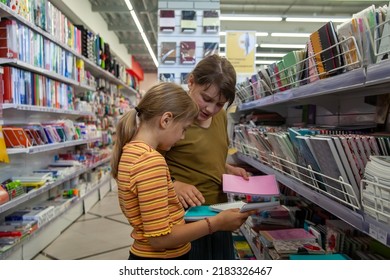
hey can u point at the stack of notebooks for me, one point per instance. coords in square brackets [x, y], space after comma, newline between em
[376, 191]
[263, 192]
[279, 244]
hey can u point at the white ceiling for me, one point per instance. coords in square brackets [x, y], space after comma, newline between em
[119, 20]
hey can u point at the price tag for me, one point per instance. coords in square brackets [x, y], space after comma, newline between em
[373, 231]
[232, 109]
[232, 151]
[382, 236]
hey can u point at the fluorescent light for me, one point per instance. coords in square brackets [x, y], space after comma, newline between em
[283, 46]
[262, 54]
[137, 23]
[248, 18]
[270, 54]
[264, 62]
[258, 34]
[303, 35]
[149, 49]
[262, 34]
[316, 19]
[141, 31]
[224, 45]
[128, 4]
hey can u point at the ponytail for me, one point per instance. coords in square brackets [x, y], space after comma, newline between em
[125, 131]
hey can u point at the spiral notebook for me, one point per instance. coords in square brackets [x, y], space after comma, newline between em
[244, 206]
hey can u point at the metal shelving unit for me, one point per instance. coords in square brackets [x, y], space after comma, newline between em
[365, 81]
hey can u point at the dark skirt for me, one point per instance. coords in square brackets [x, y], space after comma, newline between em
[217, 246]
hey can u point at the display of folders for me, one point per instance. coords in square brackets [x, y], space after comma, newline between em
[210, 48]
[292, 64]
[168, 52]
[187, 52]
[210, 21]
[167, 20]
[245, 206]
[198, 212]
[23, 87]
[331, 165]
[366, 25]
[349, 37]
[260, 185]
[184, 78]
[327, 53]
[9, 43]
[265, 80]
[167, 77]
[384, 42]
[188, 21]
[15, 137]
[34, 49]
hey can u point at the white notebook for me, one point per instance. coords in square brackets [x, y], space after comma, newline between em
[243, 206]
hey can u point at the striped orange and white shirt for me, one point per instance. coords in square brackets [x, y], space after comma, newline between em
[148, 200]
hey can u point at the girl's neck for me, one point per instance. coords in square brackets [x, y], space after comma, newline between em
[147, 137]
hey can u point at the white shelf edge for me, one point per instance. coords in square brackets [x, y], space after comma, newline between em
[42, 71]
[50, 147]
[24, 107]
[340, 83]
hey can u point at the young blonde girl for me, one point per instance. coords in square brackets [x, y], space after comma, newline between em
[146, 194]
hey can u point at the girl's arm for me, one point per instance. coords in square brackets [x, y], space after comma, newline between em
[227, 220]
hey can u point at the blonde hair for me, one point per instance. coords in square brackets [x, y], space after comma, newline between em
[161, 98]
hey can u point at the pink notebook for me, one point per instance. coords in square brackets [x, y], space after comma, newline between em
[263, 185]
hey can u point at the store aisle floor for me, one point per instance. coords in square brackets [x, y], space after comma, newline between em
[101, 234]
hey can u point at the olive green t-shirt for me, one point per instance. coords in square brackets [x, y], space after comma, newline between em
[200, 158]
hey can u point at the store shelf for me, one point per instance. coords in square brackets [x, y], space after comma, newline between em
[365, 81]
[6, 12]
[89, 65]
[98, 72]
[72, 203]
[378, 73]
[47, 73]
[50, 147]
[337, 209]
[249, 239]
[34, 193]
[32, 108]
[357, 219]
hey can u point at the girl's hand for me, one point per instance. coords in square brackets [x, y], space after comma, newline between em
[230, 220]
[188, 194]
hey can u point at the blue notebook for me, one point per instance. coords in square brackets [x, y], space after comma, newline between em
[336, 257]
[198, 212]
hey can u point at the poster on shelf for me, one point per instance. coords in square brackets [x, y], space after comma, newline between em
[241, 49]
